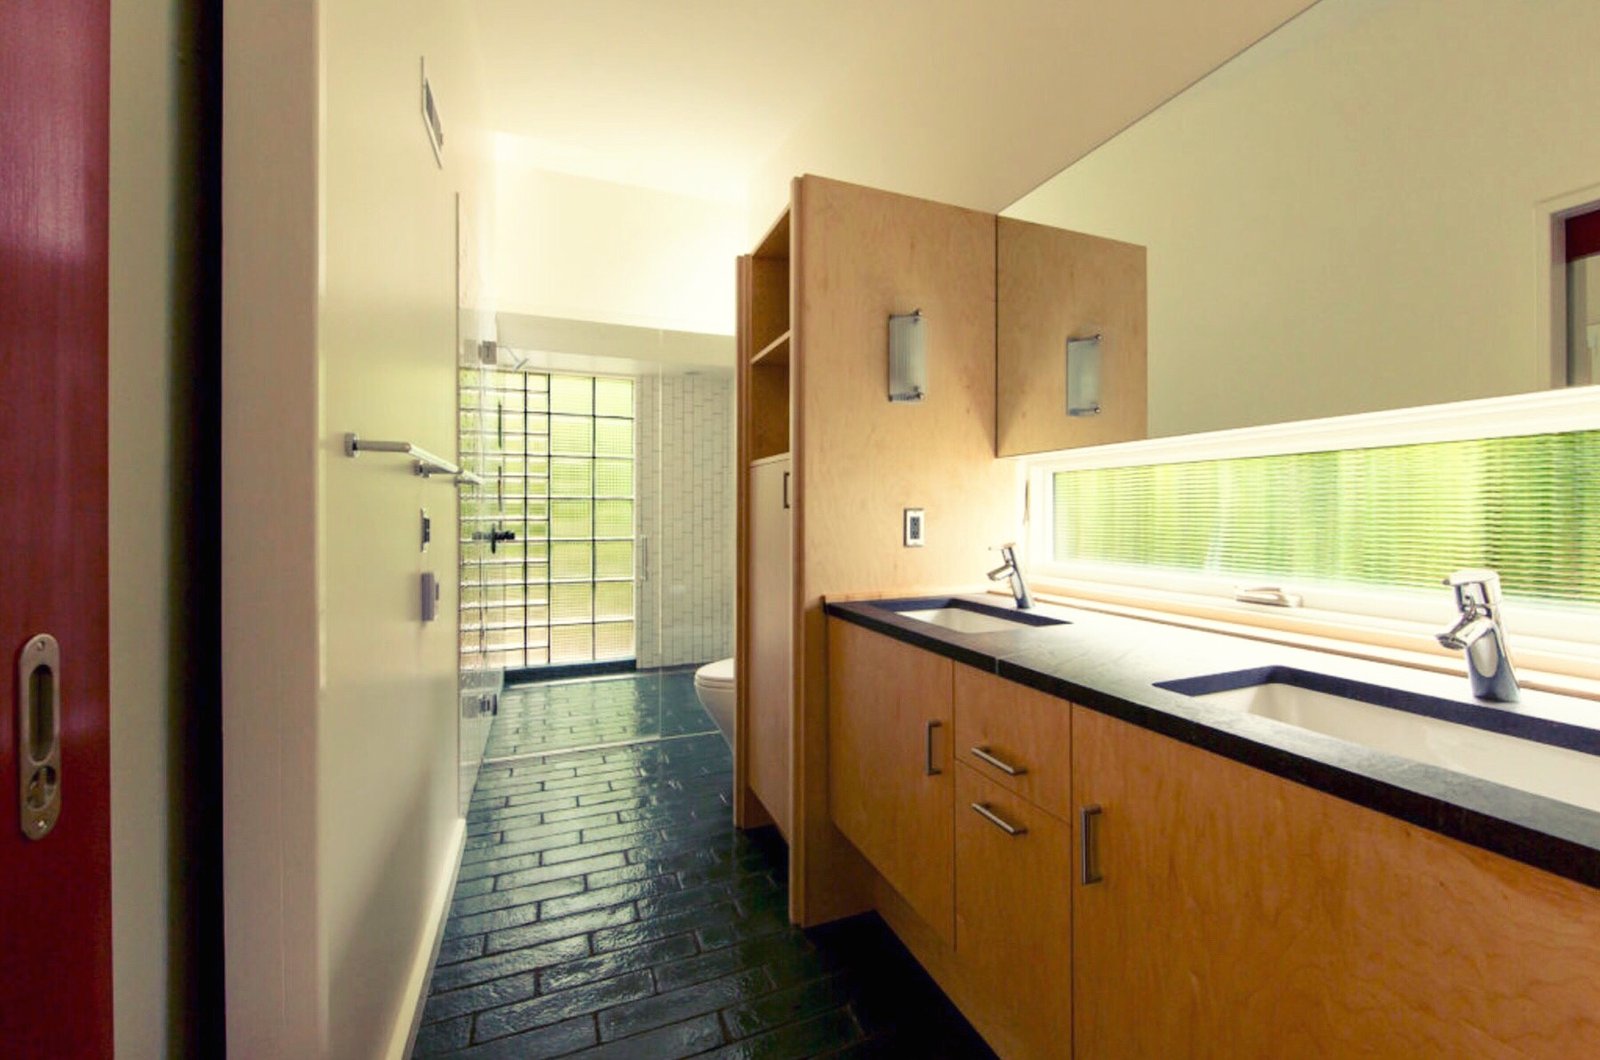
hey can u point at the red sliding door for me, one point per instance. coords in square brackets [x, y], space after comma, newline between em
[55, 854]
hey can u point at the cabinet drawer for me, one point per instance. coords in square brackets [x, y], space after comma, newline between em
[1015, 736]
[1014, 918]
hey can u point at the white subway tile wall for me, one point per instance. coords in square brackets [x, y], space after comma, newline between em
[684, 456]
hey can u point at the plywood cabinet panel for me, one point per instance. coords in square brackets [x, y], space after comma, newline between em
[1241, 914]
[858, 256]
[769, 717]
[889, 764]
[1014, 918]
[1017, 727]
[1053, 285]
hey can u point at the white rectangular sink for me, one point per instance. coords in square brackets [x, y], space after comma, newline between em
[1555, 772]
[964, 621]
[961, 615]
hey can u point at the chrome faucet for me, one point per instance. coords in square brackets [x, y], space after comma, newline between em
[1009, 569]
[1479, 633]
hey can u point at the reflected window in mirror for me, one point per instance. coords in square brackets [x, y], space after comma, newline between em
[1583, 297]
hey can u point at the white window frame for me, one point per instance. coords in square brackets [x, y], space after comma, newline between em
[1560, 628]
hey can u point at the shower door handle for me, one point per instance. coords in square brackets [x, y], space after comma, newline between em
[39, 735]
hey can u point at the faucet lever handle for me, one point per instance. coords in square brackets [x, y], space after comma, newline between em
[1485, 581]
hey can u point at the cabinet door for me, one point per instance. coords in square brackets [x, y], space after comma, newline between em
[1243, 915]
[889, 762]
[1014, 917]
[770, 718]
[1052, 286]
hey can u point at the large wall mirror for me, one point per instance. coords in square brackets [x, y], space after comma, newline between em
[1361, 212]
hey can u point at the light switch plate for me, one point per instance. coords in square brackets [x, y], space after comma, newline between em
[916, 523]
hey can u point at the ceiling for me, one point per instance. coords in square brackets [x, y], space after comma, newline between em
[966, 101]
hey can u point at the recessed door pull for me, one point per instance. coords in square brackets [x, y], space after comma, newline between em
[39, 735]
[927, 751]
[999, 822]
[1005, 767]
[1088, 835]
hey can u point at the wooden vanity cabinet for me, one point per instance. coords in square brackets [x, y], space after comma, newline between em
[889, 766]
[1240, 914]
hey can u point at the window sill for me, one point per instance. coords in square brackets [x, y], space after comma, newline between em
[1564, 668]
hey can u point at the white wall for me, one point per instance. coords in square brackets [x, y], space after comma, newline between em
[973, 104]
[152, 226]
[580, 249]
[271, 454]
[388, 809]
[340, 314]
[1347, 217]
[685, 448]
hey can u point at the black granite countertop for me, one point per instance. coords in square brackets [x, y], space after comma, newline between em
[1114, 665]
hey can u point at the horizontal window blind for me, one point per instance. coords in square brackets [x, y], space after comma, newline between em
[1399, 516]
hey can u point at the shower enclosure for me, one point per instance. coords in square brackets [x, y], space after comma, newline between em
[598, 554]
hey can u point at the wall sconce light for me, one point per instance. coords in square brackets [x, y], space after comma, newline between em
[908, 364]
[1083, 376]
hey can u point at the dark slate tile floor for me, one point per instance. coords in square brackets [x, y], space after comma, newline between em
[606, 907]
[541, 717]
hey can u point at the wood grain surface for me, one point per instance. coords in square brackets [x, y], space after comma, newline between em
[1054, 285]
[1243, 915]
[1023, 728]
[883, 698]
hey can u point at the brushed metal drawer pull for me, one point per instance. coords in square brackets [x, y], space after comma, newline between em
[999, 822]
[1088, 836]
[927, 751]
[1005, 767]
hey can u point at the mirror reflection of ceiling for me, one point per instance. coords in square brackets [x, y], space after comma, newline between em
[960, 101]
[1355, 214]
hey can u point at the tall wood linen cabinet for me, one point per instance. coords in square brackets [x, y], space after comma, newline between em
[828, 465]
[815, 299]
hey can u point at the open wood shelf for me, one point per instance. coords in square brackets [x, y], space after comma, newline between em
[775, 352]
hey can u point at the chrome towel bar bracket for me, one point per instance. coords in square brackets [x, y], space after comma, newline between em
[427, 465]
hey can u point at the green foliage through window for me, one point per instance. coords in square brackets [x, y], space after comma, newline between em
[1406, 515]
[557, 453]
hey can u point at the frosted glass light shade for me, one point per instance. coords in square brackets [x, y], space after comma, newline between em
[1083, 376]
[908, 363]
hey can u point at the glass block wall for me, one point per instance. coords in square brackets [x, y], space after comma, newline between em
[1397, 516]
[558, 459]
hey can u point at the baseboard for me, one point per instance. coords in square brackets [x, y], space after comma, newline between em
[404, 1035]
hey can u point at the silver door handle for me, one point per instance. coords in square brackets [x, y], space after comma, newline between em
[39, 736]
[927, 751]
[1088, 836]
[644, 558]
[1005, 767]
[999, 822]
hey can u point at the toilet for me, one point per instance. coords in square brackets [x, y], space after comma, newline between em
[713, 684]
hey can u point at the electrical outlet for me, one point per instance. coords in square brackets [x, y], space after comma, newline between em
[916, 523]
